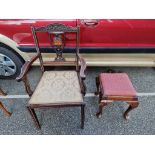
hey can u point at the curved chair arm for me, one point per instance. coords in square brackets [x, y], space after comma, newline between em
[82, 74]
[23, 74]
[83, 66]
[25, 68]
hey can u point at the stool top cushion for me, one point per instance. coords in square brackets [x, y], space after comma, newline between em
[116, 84]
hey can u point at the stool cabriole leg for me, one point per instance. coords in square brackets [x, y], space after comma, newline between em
[100, 109]
[99, 112]
[132, 105]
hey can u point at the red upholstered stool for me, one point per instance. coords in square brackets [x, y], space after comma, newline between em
[115, 87]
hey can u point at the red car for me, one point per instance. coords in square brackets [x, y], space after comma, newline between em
[103, 42]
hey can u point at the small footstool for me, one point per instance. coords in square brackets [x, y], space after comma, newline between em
[115, 87]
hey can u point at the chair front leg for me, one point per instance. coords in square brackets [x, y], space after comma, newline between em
[4, 109]
[34, 117]
[82, 115]
[27, 86]
[2, 92]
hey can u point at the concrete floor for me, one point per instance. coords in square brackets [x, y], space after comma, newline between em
[67, 120]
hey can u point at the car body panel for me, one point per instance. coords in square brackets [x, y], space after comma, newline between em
[20, 30]
[114, 42]
[13, 45]
[116, 33]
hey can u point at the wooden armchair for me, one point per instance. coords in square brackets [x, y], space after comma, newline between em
[56, 88]
[1, 104]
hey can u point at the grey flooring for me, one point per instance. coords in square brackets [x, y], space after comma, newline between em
[66, 121]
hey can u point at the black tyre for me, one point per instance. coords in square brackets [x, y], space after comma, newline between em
[10, 64]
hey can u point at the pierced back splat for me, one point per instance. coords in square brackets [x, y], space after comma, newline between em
[57, 34]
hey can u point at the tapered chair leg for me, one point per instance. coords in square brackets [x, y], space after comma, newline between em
[34, 117]
[5, 110]
[2, 92]
[97, 86]
[84, 88]
[82, 115]
[132, 105]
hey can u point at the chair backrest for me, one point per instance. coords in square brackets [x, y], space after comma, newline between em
[57, 37]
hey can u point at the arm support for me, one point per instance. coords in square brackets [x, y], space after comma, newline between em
[83, 66]
[82, 74]
[25, 68]
[23, 74]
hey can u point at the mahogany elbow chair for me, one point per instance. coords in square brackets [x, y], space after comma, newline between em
[56, 89]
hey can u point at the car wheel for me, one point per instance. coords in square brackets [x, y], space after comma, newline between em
[10, 64]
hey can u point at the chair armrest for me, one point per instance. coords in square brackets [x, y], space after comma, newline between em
[82, 74]
[83, 66]
[25, 68]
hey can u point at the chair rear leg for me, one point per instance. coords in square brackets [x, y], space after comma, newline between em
[82, 115]
[132, 105]
[84, 88]
[97, 86]
[34, 117]
[5, 110]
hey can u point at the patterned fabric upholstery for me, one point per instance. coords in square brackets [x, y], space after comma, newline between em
[57, 87]
[116, 84]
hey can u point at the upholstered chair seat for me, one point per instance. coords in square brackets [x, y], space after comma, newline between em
[57, 87]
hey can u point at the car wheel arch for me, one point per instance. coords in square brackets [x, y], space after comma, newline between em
[11, 49]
